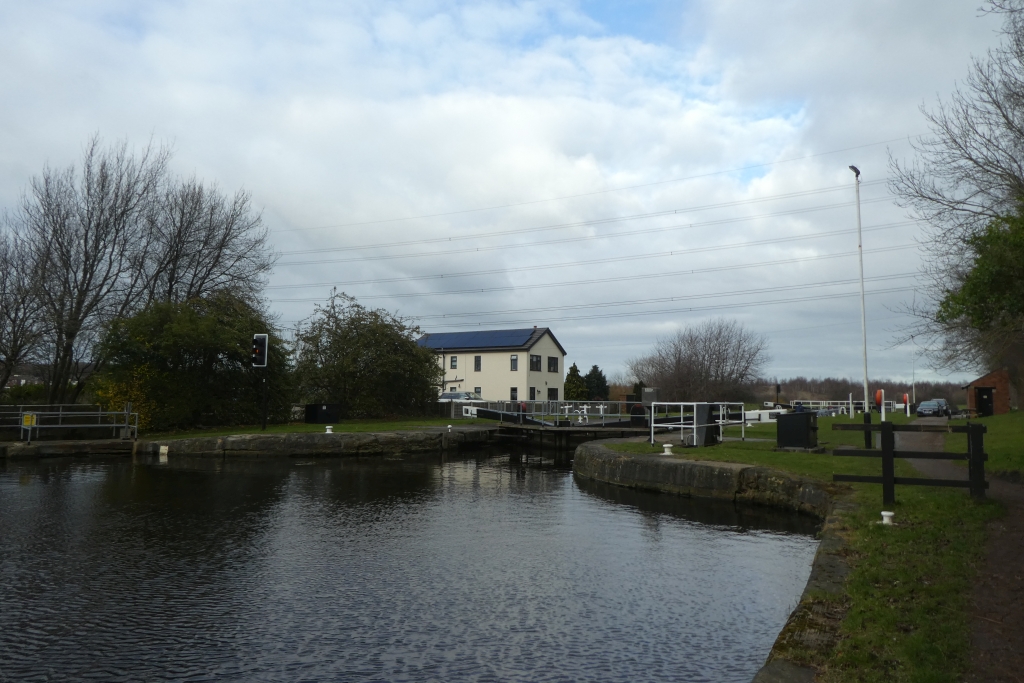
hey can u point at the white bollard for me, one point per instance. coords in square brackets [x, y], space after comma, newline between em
[163, 454]
[449, 429]
[668, 449]
[330, 429]
[887, 517]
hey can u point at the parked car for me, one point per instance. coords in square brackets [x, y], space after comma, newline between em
[459, 397]
[947, 410]
[930, 409]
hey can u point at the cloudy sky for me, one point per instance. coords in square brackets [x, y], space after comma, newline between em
[612, 170]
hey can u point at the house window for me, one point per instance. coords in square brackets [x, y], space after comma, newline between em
[514, 394]
[477, 390]
[535, 363]
[553, 394]
[455, 362]
[515, 362]
[476, 363]
[533, 393]
[552, 364]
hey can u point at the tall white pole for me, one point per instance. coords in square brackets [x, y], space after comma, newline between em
[913, 380]
[863, 314]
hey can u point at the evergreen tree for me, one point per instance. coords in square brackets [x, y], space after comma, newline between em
[597, 384]
[575, 386]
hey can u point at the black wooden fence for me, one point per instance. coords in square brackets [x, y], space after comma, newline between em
[975, 457]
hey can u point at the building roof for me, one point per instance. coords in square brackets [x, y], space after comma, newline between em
[487, 340]
[1001, 371]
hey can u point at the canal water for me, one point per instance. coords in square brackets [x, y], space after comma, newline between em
[476, 568]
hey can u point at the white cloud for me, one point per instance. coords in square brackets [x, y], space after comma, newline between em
[341, 113]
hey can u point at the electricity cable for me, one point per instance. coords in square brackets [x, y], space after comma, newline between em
[565, 226]
[674, 311]
[595, 192]
[604, 280]
[629, 233]
[474, 273]
[638, 302]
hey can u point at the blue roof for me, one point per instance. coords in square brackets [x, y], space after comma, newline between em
[487, 339]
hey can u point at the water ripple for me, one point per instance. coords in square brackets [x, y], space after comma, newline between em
[473, 569]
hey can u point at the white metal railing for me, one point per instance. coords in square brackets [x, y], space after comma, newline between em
[847, 407]
[575, 412]
[720, 412]
[32, 421]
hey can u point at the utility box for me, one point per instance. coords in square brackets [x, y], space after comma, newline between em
[706, 431]
[323, 413]
[796, 430]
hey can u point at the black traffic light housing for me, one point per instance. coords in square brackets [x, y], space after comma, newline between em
[259, 350]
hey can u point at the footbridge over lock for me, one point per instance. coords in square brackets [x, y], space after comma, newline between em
[562, 424]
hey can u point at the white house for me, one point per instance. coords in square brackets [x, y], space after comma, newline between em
[502, 365]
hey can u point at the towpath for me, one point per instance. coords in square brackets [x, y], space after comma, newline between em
[997, 599]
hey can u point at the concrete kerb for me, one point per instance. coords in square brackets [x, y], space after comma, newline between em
[813, 628]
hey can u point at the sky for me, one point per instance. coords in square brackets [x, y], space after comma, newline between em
[614, 171]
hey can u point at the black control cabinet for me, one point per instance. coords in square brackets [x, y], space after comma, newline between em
[797, 430]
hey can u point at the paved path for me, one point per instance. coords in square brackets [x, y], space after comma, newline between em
[997, 601]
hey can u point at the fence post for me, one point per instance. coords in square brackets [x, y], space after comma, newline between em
[867, 432]
[976, 458]
[888, 464]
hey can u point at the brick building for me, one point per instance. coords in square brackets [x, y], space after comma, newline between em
[990, 395]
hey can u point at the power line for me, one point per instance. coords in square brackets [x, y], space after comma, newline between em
[594, 193]
[564, 226]
[664, 299]
[767, 332]
[628, 233]
[570, 283]
[473, 273]
[692, 309]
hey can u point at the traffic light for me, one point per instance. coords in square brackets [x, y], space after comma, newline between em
[259, 350]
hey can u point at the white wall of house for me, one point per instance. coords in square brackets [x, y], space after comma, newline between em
[495, 377]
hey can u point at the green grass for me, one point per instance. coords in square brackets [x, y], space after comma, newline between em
[340, 426]
[909, 590]
[907, 594]
[1004, 442]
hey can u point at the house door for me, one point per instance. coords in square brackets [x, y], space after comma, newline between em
[984, 401]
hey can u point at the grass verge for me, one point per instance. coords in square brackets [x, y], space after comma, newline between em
[906, 598]
[1004, 443]
[340, 426]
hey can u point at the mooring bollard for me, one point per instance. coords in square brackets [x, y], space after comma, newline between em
[667, 449]
[330, 429]
[887, 517]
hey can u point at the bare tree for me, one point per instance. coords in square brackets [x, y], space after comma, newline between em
[20, 325]
[88, 231]
[202, 241]
[116, 234]
[714, 360]
[968, 174]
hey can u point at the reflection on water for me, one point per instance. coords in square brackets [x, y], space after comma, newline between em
[465, 569]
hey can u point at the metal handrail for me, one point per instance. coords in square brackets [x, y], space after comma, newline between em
[689, 409]
[30, 420]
